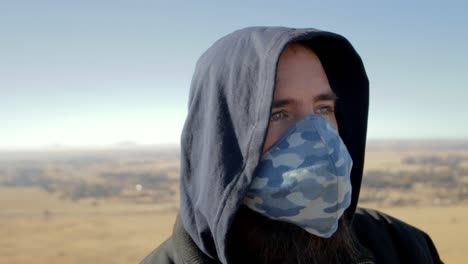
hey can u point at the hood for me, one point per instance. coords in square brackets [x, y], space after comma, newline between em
[228, 115]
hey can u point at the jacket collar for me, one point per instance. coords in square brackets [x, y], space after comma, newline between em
[186, 250]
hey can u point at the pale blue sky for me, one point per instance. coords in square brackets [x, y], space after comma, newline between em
[99, 72]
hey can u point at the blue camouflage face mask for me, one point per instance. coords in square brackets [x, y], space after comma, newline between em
[304, 178]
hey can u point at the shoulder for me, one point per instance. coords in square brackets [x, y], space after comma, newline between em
[164, 254]
[377, 219]
[179, 248]
[387, 236]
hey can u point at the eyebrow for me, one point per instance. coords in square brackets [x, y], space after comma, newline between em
[321, 97]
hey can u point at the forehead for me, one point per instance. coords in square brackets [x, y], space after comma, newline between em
[300, 73]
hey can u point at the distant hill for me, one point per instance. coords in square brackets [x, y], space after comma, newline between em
[417, 144]
[397, 172]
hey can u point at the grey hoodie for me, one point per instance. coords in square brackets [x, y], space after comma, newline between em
[229, 109]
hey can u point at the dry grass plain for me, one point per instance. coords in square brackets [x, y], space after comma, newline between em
[447, 226]
[79, 232]
[39, 226]
[36, 227]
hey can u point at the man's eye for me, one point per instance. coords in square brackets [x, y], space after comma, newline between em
[280, 115]
[325, 110]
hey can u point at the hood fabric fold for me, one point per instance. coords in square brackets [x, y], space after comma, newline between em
[228, 115]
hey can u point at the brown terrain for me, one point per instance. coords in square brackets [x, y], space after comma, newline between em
[115, 205]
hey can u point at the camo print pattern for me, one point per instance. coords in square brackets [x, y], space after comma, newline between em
[304, 178]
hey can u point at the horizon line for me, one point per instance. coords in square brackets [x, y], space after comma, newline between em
[132, 144]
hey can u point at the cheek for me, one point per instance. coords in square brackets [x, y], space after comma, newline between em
[333, 121]
[275, 132]
[269, 140]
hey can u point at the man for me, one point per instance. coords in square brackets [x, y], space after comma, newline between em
[272, 155]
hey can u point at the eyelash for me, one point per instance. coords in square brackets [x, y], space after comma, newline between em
[277, 113]
[323, 110]
[329, 110]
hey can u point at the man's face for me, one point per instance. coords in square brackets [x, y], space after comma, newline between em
[301, 89]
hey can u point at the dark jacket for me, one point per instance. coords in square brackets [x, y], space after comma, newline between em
[388, 241]
[229, 110]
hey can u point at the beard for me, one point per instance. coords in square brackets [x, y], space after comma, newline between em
[254, 238]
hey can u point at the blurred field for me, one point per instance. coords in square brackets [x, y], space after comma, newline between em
[36, 227]
[115, 206]
[39, 228]
[447, 226]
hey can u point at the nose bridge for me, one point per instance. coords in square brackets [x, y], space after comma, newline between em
[305, 109]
